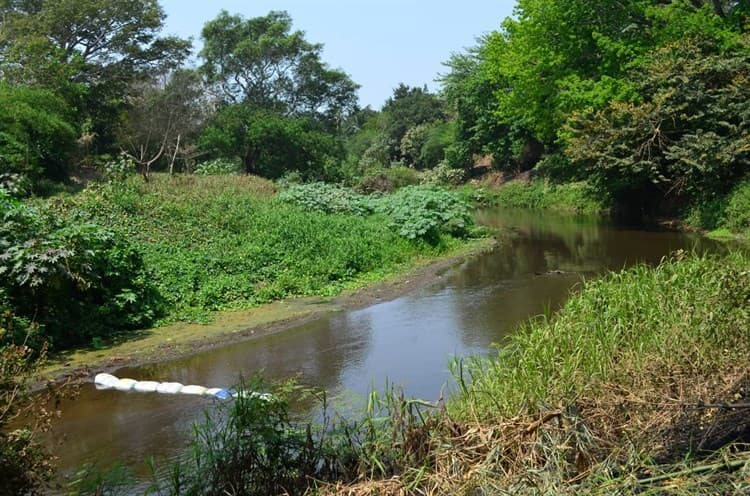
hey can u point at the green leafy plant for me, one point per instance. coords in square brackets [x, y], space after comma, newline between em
[422, 212]
[77, 280]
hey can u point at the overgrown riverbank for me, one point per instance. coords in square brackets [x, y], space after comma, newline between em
[640, 383]
[723, 216]
[132, 254]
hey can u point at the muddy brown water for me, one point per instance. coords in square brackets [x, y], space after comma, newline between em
[409, 341]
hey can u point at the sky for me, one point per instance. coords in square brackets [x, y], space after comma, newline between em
[379, 43]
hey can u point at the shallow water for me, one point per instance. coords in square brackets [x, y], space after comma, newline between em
[408, 341]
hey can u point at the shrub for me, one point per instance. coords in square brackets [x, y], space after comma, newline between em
[387, 179]
[738, 208]
[76, 280]
[421, 212]
[326, 198]
[413, 212]
[444, 175]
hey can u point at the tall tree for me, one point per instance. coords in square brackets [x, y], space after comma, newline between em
[89, 51]
[162, 118]
[262, 63]
[283, 106]
[409, 107]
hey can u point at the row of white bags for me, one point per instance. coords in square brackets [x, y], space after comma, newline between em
[108, 381]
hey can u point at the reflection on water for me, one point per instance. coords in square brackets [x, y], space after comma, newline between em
[408, 341]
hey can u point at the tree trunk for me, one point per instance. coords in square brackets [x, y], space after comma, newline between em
[248, 162]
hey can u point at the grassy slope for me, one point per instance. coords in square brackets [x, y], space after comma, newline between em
[224, 242]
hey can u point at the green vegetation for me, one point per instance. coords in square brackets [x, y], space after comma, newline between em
[73, 279]
[544, 194]
[414, 212]
[225, 242]
[647, 101]
[636, 106]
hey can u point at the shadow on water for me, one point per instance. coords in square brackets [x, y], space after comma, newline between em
[408, 341]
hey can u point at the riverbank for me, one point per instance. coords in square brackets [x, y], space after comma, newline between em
[722, 217]
[178, 340]
[639, 384]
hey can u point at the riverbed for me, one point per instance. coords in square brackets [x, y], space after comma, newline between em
[409, 341]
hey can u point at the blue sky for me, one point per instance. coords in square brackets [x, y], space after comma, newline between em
[379, 43]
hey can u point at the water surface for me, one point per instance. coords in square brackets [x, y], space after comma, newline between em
[408, 341]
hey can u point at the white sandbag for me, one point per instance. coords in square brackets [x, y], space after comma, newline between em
[105, 380]
[169, 387]
[145, 386]
[197, 390]
[219, 393]
[125, 384]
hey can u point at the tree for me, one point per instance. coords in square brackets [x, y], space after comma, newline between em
[88, 51]
[513, 93]
[283, 108]
[261, 63]
[687, 135]
[36, 134]
[98, 40]
[270, 144]
[163, 117]
[407, 108]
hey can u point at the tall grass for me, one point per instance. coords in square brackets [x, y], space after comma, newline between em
[690, 314]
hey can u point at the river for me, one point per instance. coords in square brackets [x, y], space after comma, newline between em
[409, 341]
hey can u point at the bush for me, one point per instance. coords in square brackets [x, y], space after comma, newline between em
[36, 134]
[326, 198]
[687, 136]
[387, 179]
[413, 212]
[76, 280]
[738, 208]
[541, 194]
[444, 175]
[421, 212]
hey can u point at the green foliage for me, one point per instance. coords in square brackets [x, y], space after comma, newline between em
[255, 446]
[387, 179]
[36, 134]
[221, 242]
[269, 144]
[263, 64]
[443, 175]
[326, 198]
[413, 212]
[251, 446]
[542, 194]
[74, 279]
[87, 51]
[688, 135]
[425, 212]
[738, 208]
[690, 313]
[407, 108]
